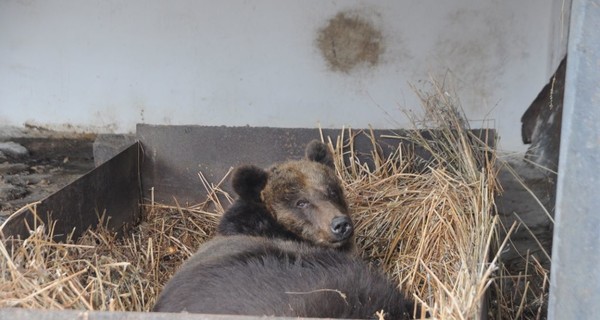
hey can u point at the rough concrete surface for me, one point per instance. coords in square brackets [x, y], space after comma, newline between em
[33, 167]
[527, 200]
[12, 150]
[107, 146]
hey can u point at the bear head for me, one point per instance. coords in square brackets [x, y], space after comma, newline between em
[300, 200]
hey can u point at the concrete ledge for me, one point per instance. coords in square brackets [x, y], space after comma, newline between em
[107, 146]
[27, 314]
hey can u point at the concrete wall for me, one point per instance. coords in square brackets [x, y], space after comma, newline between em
[104, 66]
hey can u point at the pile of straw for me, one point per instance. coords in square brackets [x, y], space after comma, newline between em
[100, 271]
[426, 222]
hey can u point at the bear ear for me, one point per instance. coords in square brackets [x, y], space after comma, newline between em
[319, 152]
[248, 181]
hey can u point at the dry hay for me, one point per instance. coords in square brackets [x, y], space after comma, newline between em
[523, 294]
[100, 271]
[426, 222]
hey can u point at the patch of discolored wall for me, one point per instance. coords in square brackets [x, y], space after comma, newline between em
[348, 41]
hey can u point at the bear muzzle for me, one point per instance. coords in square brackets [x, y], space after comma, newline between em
[341, 228]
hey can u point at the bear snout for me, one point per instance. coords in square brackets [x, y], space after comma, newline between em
[341, 228]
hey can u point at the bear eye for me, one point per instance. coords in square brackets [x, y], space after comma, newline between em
[332, 194]
[302, 203]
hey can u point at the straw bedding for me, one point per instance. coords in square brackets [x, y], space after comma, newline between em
[426, 222]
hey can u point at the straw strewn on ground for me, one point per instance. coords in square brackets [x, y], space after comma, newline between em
[100, 271]
[426, 222]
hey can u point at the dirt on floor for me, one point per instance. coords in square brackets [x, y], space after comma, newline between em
[527, 202]
[32, 168]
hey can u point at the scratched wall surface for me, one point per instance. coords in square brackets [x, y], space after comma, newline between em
[104, 66]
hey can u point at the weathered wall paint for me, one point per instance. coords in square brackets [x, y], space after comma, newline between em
[104, 66]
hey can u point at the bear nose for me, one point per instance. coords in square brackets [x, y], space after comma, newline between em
[341, 227]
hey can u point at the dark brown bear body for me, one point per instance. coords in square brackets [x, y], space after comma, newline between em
[296, 200]
[283, 250]
[260, 276]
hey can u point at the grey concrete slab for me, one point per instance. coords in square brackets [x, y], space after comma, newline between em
[107, 146]
[113, 188]
[26, 314]
[575, 273]
[174, 155]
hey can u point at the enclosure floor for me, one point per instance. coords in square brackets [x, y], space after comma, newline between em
[516, 204]
[53, 162]
[50, 164]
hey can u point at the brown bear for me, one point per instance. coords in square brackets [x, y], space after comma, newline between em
[282, 249]
[246, 275]
[296, 200]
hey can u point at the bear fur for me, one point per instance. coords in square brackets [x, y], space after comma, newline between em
[248, 215]
[299, 200]
[284, 249]
[246, 275]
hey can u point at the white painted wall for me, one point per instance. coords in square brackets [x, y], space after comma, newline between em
[105, 65]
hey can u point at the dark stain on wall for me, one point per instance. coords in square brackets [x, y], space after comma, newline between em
[348, 41]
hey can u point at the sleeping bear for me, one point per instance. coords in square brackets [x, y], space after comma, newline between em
[296, 200]
[284, 248]
[247, 275]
